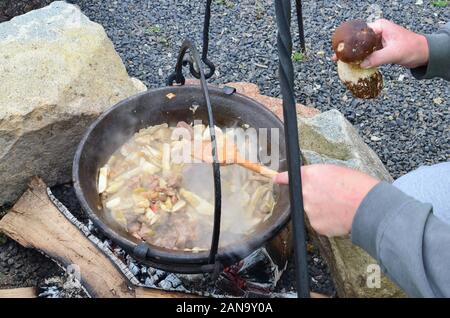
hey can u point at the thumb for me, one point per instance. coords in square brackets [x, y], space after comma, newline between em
[378, 58]
[281, 178]
[377, 26]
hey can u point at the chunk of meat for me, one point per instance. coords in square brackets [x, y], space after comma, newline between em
[176, 232]
[133, 227]
[146, 232]
[174, 181]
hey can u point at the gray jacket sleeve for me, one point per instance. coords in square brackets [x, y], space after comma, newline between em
[439, 60]
[411, 245]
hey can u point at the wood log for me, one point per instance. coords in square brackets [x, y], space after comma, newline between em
[27, 292]
[34, 222]
[145, 292]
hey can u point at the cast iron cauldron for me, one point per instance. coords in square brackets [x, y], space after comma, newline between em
[118, 124]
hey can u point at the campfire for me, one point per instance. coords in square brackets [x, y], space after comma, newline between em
[97, 267]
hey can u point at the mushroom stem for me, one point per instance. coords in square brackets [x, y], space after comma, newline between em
[363, 83]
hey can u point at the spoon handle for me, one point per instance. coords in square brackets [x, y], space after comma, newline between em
[258, 168]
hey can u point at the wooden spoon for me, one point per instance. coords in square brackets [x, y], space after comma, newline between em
[227, 153]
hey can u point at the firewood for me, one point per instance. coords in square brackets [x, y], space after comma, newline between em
[27, 292]
[141, 292]
[34, 222]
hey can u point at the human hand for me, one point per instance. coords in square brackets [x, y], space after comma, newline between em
[400, 46]
[331, 196]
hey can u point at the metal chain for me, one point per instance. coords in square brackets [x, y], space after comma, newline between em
[212, 68]
[286, 73]
[301, 33]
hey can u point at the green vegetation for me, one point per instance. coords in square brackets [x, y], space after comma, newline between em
[4, 209]
[227, 3]
[2, 239]
[162, 40]
[156, 34]
[298, 56]
[441, 3]
[153, 29]
[260, 10]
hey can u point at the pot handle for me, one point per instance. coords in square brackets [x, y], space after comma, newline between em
[178, 77]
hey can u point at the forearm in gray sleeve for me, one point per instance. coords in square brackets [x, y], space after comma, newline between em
[411, 245]
[439, 60]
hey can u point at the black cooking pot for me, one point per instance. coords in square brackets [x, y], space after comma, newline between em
[118, 124]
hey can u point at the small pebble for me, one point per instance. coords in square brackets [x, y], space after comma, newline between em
[375, 138]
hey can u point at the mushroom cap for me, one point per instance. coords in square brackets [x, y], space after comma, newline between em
[354, 40]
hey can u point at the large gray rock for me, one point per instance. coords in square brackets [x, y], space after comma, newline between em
[329, 138]
[58, 72]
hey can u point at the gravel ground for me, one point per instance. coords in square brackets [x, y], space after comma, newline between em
[408, 126]
[20, 267]
[10, 8]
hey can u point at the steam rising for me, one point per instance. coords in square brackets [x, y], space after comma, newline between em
[145, 195]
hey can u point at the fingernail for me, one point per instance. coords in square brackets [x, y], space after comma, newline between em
[365, 64]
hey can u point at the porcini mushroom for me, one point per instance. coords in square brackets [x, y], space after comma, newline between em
[352, 42]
